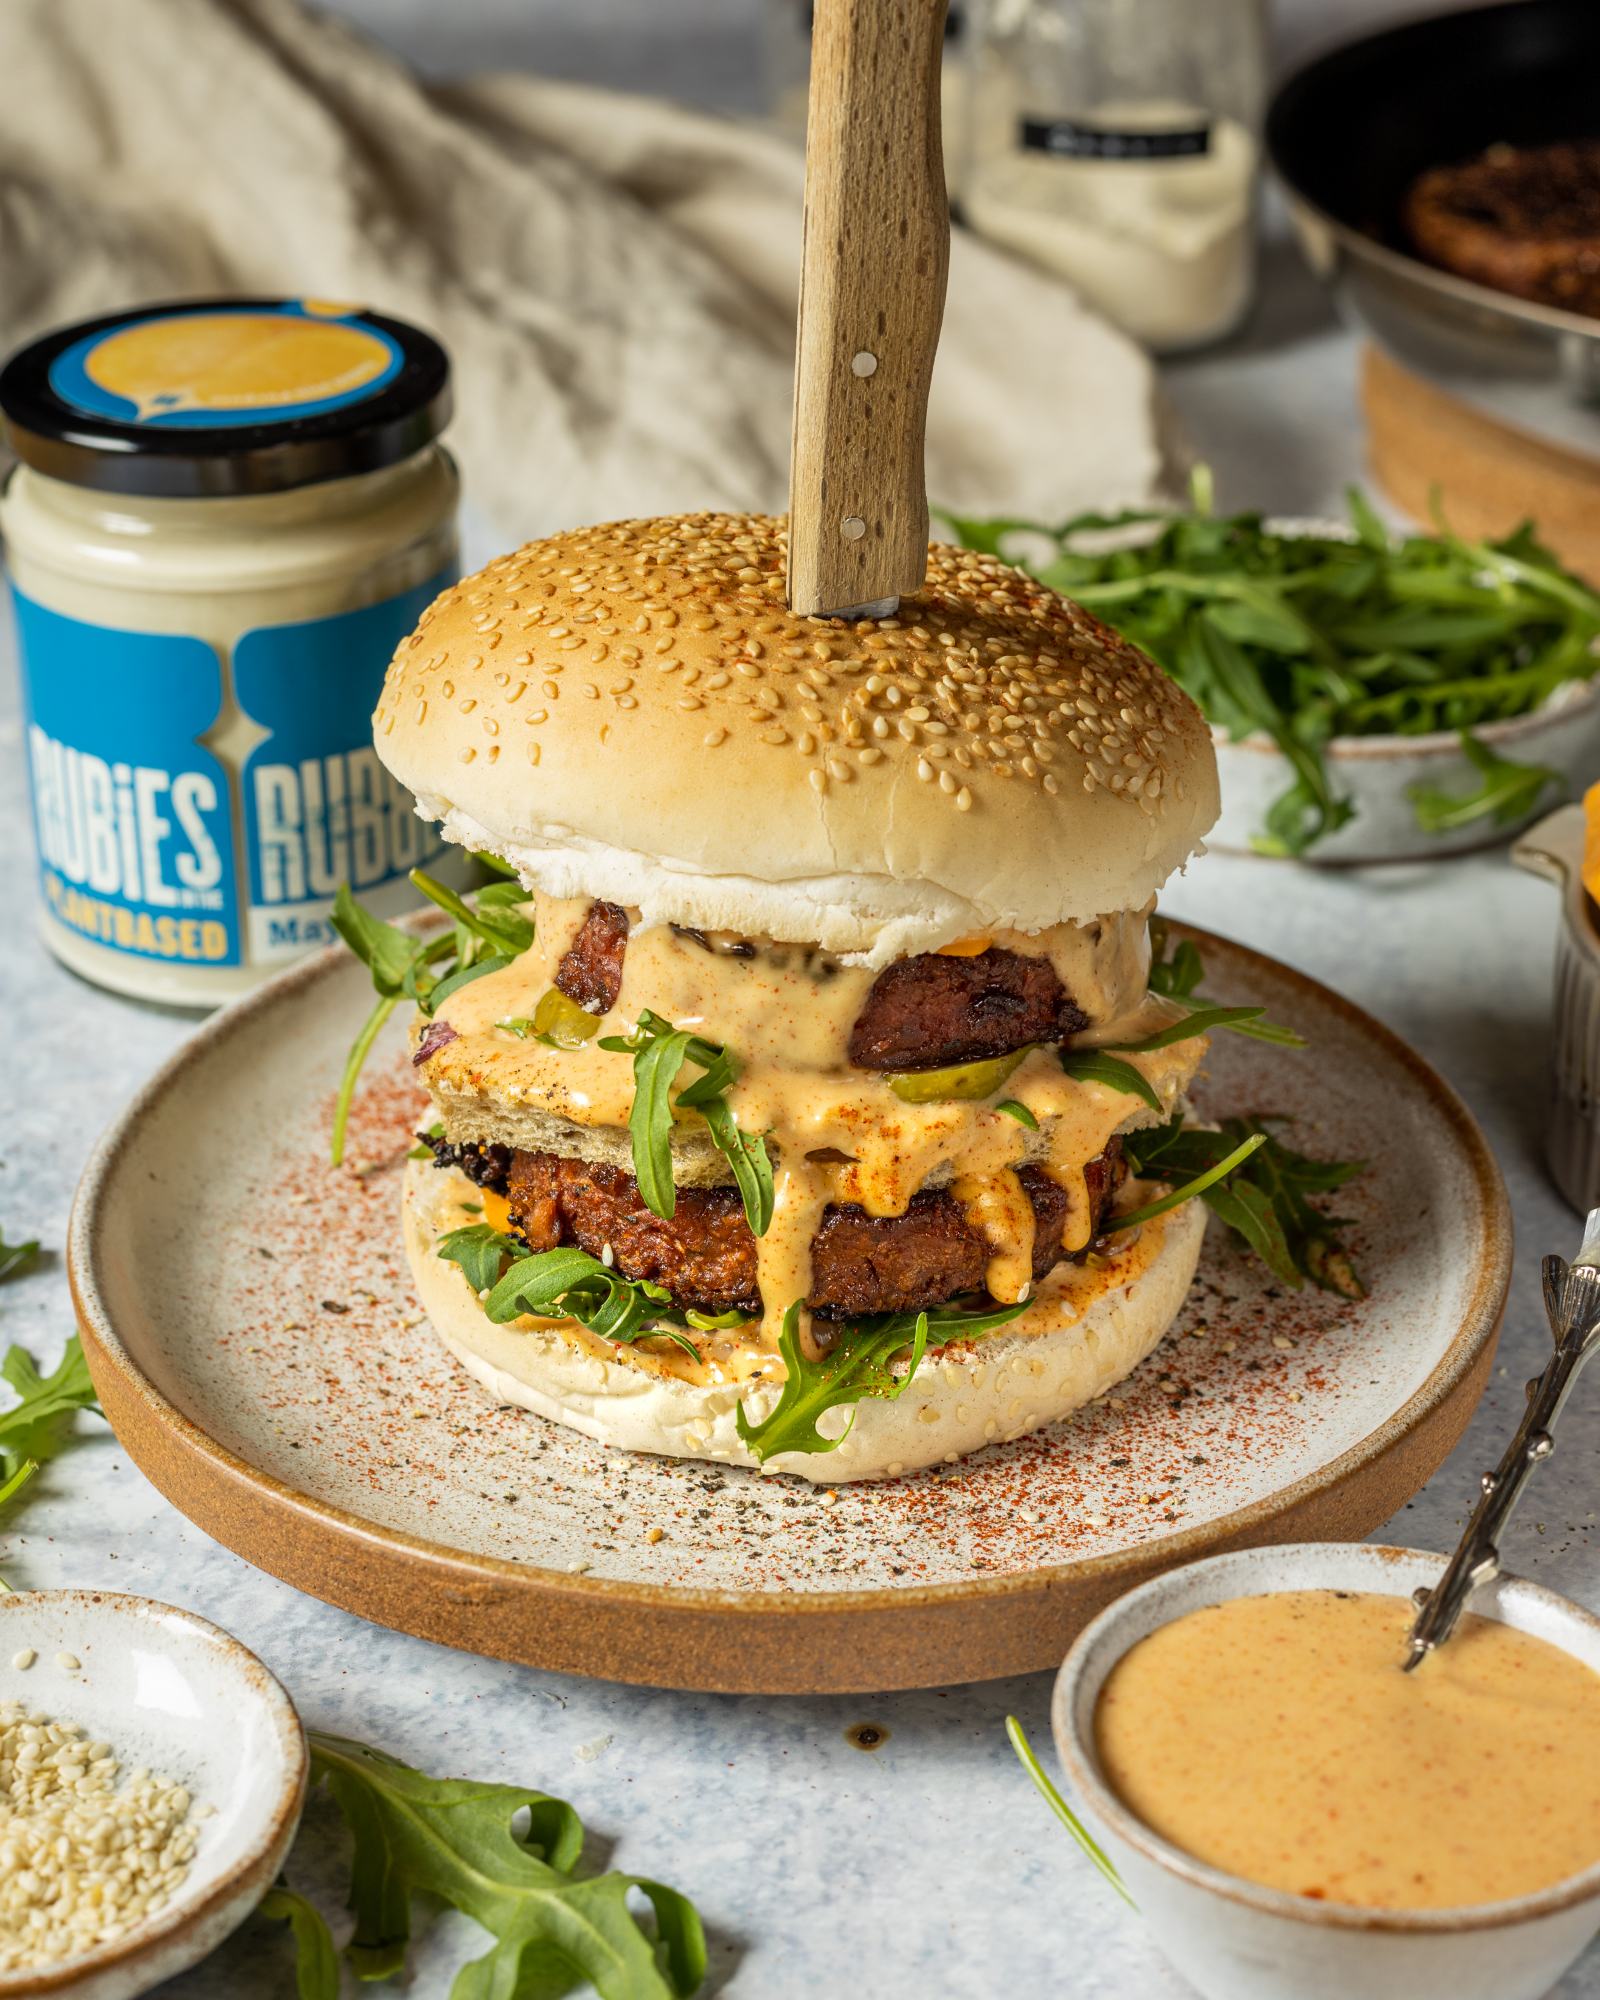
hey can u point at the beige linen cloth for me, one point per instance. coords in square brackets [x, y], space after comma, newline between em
[614, 277]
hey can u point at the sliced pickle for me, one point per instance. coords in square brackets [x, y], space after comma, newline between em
[961, 1080]
[561, 1021]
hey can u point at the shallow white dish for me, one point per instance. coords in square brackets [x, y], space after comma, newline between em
[1236, 1940]
[171, 1692]
[1375, 771]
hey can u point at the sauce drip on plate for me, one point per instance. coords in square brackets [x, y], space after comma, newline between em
[1277, 1738]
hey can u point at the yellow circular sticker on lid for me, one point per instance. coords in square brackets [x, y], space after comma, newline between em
[221, 367]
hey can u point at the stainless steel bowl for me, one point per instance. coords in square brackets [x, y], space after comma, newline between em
[1349, 133]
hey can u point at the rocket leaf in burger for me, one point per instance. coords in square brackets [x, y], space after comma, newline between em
[659, 1051]
[485, 936]
[1264, 1195]
[1177, 977]
[1094, 1066]
[859, 1364]
[559, 1284]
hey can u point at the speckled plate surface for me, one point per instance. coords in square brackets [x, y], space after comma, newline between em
[254, 1338]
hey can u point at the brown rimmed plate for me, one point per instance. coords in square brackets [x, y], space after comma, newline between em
[253, 1335]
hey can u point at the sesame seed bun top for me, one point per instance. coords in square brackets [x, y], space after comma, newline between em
[631, 711]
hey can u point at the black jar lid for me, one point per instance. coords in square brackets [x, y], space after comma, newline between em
[224, 396]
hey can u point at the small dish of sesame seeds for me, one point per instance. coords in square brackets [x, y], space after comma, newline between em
[152, 1774]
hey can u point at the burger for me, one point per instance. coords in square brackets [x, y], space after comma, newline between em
[785, 1087]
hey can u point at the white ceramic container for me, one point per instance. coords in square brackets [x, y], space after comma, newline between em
[1235, 1940]
[1554, 848]
[1374, 772]
[168, 1691]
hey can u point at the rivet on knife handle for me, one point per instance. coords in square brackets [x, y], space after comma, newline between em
[872, 280]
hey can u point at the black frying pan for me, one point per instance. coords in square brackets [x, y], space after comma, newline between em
[1348, 134]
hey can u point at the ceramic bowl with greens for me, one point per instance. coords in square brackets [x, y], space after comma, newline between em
[1373, 697]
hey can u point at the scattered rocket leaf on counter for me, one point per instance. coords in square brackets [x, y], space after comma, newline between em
[36, 1425]
[858, 1364]
[453, 1839]
[39, 1424]
[15, 1258]
[1308, 636]
[659, 1051]
[485, 936]
[316, 1958]
[1063, 1812]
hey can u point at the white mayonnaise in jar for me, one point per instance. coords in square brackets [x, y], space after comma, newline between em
[226, 517]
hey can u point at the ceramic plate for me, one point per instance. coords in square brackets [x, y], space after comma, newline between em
[255, 1341]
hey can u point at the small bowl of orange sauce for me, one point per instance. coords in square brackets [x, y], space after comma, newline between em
[1298, 1819]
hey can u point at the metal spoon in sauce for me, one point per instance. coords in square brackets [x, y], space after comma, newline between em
[1572, 1301]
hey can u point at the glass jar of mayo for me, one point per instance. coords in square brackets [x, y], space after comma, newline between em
[226, 517]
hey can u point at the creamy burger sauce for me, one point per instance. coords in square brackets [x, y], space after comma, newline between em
[1278, 1739]
[841, 1134]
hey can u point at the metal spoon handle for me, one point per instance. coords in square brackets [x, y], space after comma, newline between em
[1572, 1303]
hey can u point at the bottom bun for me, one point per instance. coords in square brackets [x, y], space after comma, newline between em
[1086, 1330]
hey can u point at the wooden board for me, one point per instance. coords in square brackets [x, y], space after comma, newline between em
[1489, 476]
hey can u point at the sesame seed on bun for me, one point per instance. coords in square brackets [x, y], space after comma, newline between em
[631, 712]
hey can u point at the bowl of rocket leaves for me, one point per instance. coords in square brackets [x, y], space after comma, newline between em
[1373, 696]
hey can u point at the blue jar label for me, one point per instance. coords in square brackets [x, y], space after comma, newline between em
[135, 814]
[132, 813]
[320, 808]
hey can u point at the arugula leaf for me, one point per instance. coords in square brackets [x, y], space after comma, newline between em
[1200, 1020]
[483, 939]
[1178, 978]
[316, 1961]
[497, 918]
[1013, 1109]
[570, 1284]
[1308, 637]
[480, 1250]
[15, 1258]
[1508, 794]
[39, 1425]
[745, 1152]
[1092, 1066]
[659, 1051]
[858, 1365]
[421, 1151]
[1267, 1198]
[1151, 1209]
[1063, 1812]
[452, 1839]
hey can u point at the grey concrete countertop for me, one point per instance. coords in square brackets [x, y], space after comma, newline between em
[928, 1867]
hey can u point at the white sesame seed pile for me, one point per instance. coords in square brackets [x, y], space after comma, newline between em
[81, 1862]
